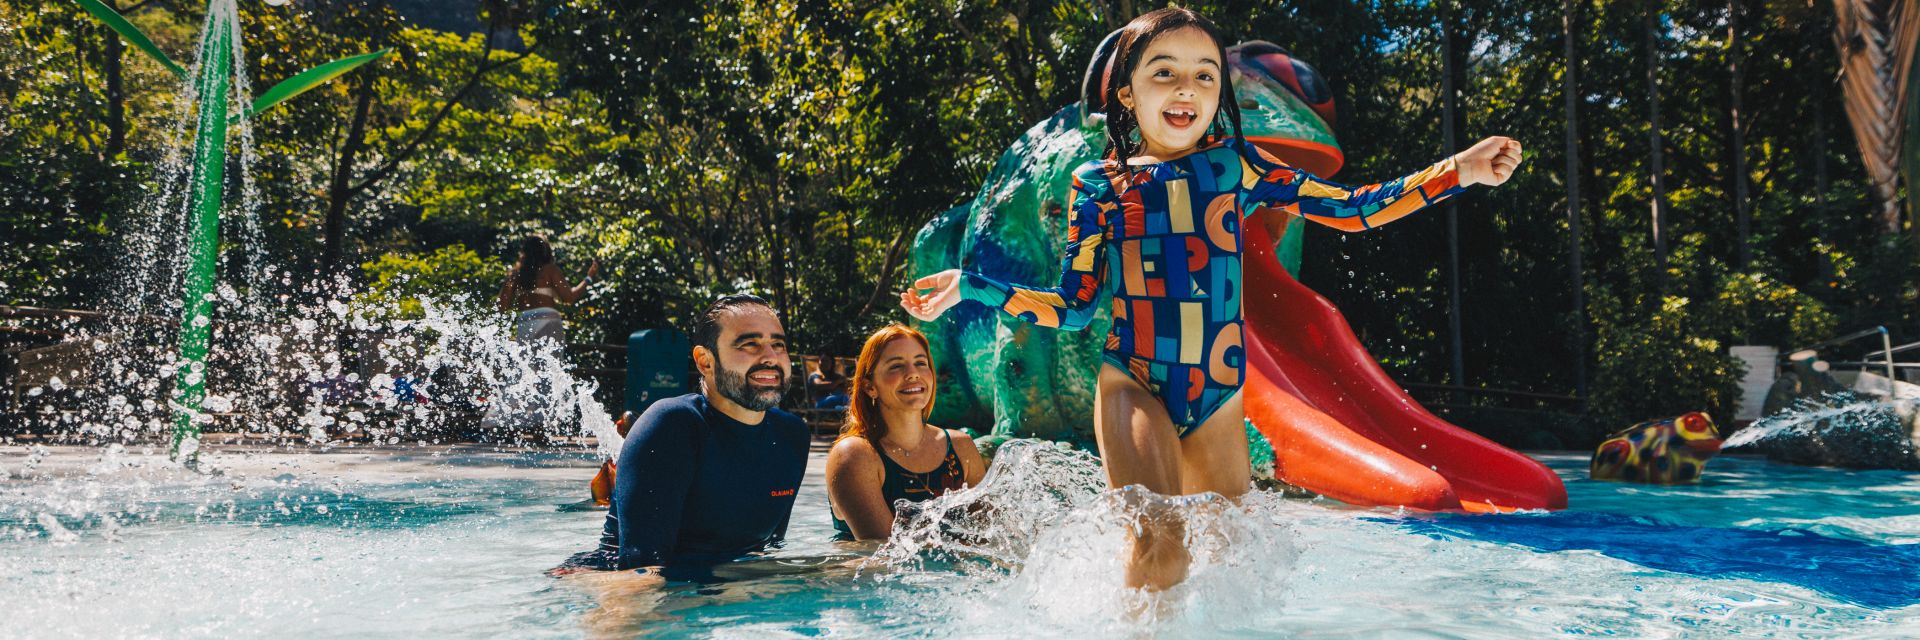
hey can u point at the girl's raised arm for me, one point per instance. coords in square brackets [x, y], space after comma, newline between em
[1353, 209]
[1083, 269]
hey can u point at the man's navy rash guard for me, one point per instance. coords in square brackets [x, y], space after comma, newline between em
[696, 487]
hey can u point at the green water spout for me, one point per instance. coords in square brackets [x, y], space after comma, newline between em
[206, 195]
[208, 183]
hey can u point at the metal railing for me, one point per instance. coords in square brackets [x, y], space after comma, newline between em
[1886, 348]
[1893, 350]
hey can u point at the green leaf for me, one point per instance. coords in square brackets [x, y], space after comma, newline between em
[309, 79]
[132, 33]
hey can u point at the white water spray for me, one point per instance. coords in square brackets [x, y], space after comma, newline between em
[1044, 544]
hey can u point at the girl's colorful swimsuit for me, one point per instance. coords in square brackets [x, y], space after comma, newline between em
[1168, 236]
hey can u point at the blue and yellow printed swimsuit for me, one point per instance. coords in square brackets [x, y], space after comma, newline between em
[1167, 237]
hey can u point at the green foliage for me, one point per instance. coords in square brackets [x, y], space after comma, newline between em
[1756, 309]
[793, 147]
[397, 281]
[63, 184]
[1674, 359]
[1874, 282]
[1658, 364]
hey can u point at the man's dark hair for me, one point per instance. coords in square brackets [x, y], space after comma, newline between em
[706, 327]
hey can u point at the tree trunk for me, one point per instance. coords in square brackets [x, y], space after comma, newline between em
[1571, 87]
[110, 68]
[1742, 216]
[1820, 179]
[1449, 112]
[340, 189]
[82, 117]
[1656, 142]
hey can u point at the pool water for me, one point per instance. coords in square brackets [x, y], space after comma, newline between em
[452, 542]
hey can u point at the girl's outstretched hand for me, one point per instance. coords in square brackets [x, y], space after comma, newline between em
[942, 291]
[1490, 162]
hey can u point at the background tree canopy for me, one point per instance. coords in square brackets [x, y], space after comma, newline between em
[793, 148]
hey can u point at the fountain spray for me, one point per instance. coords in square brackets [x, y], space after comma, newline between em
[206, 183]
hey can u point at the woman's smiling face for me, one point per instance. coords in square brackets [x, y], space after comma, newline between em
[1175, 91]
[903, 376]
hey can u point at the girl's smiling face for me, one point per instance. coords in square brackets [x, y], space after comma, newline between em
[1174, 92]
[903, 376]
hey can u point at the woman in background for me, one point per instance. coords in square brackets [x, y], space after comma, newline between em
[535, 287]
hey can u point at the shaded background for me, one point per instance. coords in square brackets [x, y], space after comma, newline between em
[793, 148]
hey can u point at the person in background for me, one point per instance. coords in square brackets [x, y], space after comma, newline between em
[535, 288]
[831, 389]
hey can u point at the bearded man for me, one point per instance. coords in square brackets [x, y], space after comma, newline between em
[709, 477]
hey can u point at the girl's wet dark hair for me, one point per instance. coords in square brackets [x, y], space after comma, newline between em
[1115, 64]
[535, 254]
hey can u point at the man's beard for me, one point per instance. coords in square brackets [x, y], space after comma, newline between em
[734, 386]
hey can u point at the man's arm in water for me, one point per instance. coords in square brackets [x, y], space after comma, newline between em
[650, 492]
[622, 599]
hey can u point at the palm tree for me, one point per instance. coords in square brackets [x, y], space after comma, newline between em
[1876, 40]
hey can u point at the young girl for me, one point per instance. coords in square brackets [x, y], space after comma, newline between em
[1158, 219]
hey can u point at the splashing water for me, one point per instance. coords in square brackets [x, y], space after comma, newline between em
[339, 371]
[296, 363]
[1838, 430]
[1031, 485]
[1043, 544]
[1836, 412]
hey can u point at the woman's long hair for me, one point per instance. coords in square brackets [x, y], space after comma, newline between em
[535, 254]
[863, 413]
[1130, 42]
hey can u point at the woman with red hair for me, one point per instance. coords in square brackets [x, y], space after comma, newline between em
[887, 452]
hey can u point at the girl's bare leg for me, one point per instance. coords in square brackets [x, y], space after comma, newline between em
[1214, 457]
[1139, 445]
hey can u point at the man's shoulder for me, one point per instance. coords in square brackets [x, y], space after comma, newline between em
[790, 429]
[672, 414]
[692, 403]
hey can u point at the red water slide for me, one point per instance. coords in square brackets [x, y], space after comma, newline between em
[1341, 428]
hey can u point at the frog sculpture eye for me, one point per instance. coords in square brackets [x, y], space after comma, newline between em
[1300, 78]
